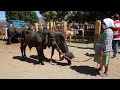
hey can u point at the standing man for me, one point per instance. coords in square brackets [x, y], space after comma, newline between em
[116, 35]
[9, 33]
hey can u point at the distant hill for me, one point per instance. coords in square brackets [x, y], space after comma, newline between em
[3, 23]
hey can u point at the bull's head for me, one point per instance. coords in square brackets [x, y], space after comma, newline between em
[49, 38]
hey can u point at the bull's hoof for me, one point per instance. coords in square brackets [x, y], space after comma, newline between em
[8, 43]
[24, 57]
[51, 63]
[42, 63]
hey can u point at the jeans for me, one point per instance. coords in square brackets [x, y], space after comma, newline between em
[115, 47]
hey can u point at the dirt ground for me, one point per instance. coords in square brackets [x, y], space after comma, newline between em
[12, 66]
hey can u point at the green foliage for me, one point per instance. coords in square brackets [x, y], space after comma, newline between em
[77, 16]
[60, 15]
[54, 15]
[49, 15]
[28, 16]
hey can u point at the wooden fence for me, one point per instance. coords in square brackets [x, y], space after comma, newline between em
[83, 32]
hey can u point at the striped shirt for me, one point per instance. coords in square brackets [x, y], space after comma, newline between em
[116, 30]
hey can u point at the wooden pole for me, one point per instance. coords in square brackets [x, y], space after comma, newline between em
[50, 25]
[64, 27]
[36, 26]
[97, 31]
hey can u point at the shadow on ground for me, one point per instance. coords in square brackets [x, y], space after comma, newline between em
[90, 55]
[53, 60]
[85, 70]
[29, 60]
[34, 59]
[80, 47]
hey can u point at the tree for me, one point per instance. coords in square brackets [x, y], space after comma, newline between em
[57, 15]
[77, 16]
[49, 15]
[28, 16]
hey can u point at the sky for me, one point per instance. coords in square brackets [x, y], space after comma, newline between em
[2, 15]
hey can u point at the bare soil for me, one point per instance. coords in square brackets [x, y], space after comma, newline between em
[13, 66]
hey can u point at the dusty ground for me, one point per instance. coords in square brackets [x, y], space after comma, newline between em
[12, 66]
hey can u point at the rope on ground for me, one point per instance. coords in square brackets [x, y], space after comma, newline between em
[83, 61]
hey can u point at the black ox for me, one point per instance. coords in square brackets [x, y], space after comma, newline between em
[14, 34]
[41, 40]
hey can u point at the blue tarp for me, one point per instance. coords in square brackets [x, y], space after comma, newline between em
[17, 23]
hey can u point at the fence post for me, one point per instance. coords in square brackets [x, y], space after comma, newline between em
[50, 25]
[97, 31]
[64, 26]
[36, 26]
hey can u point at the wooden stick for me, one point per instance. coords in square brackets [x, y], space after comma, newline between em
[58, 49]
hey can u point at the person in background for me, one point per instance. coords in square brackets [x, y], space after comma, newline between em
[6, 37]
[104, 46]
[9, 33]
[116, 35]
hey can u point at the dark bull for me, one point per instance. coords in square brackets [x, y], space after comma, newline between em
[61, 47]
[40, 40]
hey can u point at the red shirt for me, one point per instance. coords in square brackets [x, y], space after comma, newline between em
[116, 30]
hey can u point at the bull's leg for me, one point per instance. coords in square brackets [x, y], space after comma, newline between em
[23, 47]
[52, 53]
[40, 55]
[9, 40]
[43, 56]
